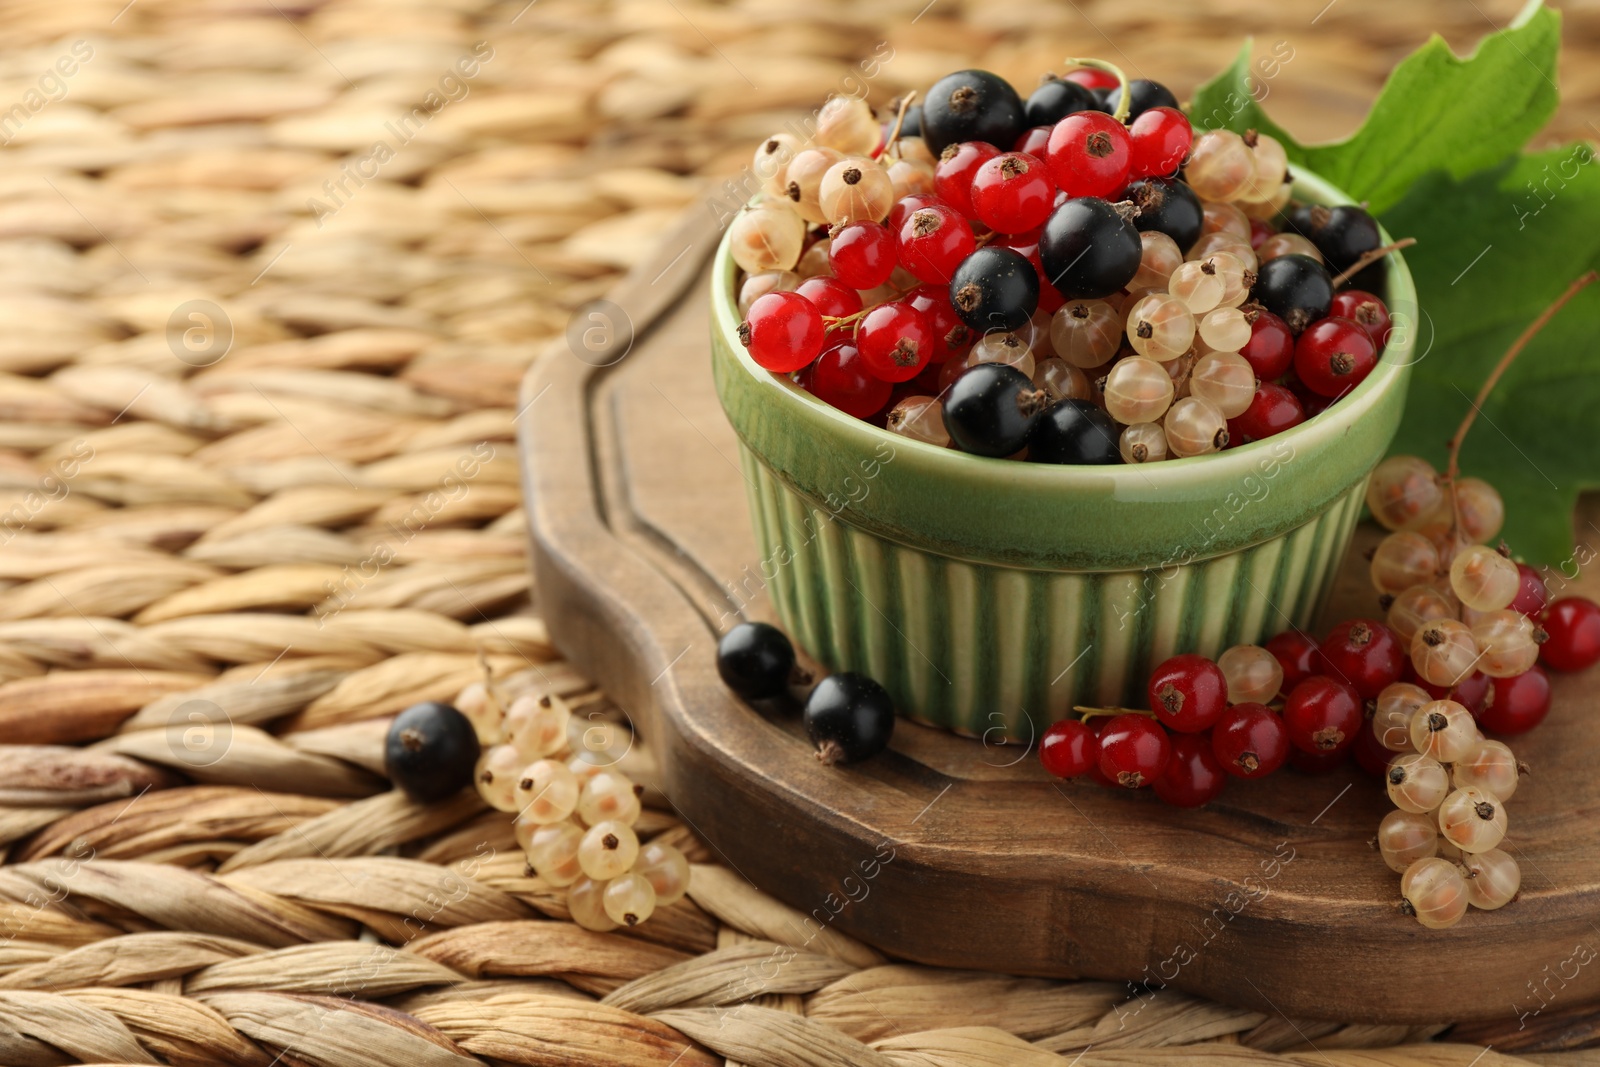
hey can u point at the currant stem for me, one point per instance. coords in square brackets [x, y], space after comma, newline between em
[1125, 99]
[893, 143]
[1369, 258]
[1090, 713]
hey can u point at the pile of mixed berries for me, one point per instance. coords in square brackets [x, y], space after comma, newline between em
[1072, 278]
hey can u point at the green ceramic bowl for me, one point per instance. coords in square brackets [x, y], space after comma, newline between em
[990, 596]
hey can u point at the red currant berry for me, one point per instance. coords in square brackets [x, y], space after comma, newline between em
[1260, 230]
[1188, 693]
[952, 176]
[1027, 245]
[1270, 349]
[862, 254]
[783, 332]
[1318, 762]
[840, 377]
[1333, 356]
[1272, 410]
[1069, 748]
[1313, 404]
[905, 206]
[1573, 623]
[951, 336]
[1092, 78]
[1193, 775]
[1159, 139]
[1366, 311]
[1364, 653]
[1011, 193]
[1470, 692]
[1532, 594]
[1250, 741]
[1134, 750]
[933, 241]
[1297, 655]
[1517, 704]
[895, 341]
[1033, 142]
[1369, 752]
[1322, 714]
[830, 296]
[1089, 154]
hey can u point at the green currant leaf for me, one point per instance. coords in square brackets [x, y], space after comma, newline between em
[1493, 250]
[1436, 111]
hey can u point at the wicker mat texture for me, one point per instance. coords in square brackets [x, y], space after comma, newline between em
[272, 270]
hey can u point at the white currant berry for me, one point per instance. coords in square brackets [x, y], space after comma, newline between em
[1086, 333]
[607, 850]
[1404, 837]
[1492, 878]
[1416, 783]
[1143, 442]
[1225, 329]
[911, 178]
[1401, 560]
[586, 906]
[483, 712]
[1253, 674]
[767, 237]
[609, 796]
[1489, 766]
[629, 899]
[1473, 820]
[1161, 256]
[1415, 608]
[772, 159]
[1061, 380]
[1220, 166]
[855, 189]
[546, 792]
[802, 183]
[1443, 652]
[1479, 509]
[1223, 218]
[1196, 283]
[1231, 243]
[1137, 390]
[1160, 327]
[1236, 268]
[552, 850]
[1005, 346]
[1509, 641]
[1436, 892]
[756, 286]
[1195, 427]
[1403, 491]
[1391, 718]
[1287, 244]
[1444, 730]
[496, 776]
[1483, 578]
[846, 123]
[667, 869]
[921, 418]
[536, 726]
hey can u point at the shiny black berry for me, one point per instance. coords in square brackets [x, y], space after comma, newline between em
[1055, 99]
[911, 127]
[1074, 431]
[1145, 95]
[1168, 206]
[990, 409]
[1296, 288]
[1342, 234]
[755, 660]
[972, 105]
[430, 752]
[849, 718]
[1089, 248]
[995, 289]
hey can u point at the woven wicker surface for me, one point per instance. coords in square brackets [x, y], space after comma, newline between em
[256, 455]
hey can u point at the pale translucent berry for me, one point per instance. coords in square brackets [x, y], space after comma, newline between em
[1160, 327]
[1008, 347]
[1415, 608]
[483, 712]
[1403, 491]
[609, 795]
[583, 768]
[1212, 243]
[1224, 218]
[1391, 718]
[1416, 783]
[1403, 559]
[667, 869]
[1062, 380]
[1195, 427]
[855, 189]
[802, 181]
[536, 726]
[1272, 166]
[1086, 333]
[756, 286]
[772, 159]
[1270, 208]
[916, 150]
[1160, 258]
[1444, 730]
[1473, 820]
[1404, 837]
[629, 899]
[1492, 877]
[1489, 766]
[1220, 167]
[1509, 641]
[586, 906]
[552, 850]
[1225, 329]
[607, 850]
[1137, 390]
[814, 261]
[1195, 282]
[1479, 510]
[767, 237]
[1483, 579]
[911, 178]
[497, 776]
[1236, 269]
[546, 792]
[1436, 892]
[1254, 675]
[1443, 652]
[846, 123]
[1287, 244]
[920, 418]
[1143, 442]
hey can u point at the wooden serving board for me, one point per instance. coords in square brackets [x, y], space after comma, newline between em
[954, 852]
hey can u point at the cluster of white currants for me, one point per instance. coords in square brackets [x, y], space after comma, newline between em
[575, 813]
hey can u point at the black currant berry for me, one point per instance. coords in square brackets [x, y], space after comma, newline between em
[990, 409]
[430, 752]
[755, 660]
[1145, 95]
[1074, 431]
[849, 717]
[995, 289]
[1055, 99]
[1296, 288]
[1102, 99]
[1342, 234]
[1090, 248]
[972, 105]
[912, 124]
[1168, 206]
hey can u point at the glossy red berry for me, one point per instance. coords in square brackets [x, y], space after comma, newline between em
[1250, 741]
[1573, 623]
[783, 332]
[953, 174]
[1364, 653]
[1012, 193]
[1089, 154]
[1188, 693]
[1092, 78]
[1260, 230]
[1369, 753]
[1159, 140]
[1134, 750]
[862, 254]
[951, 336]
[1297, 655]
[1318, 762]
[1517, 704]
[1532, 595]
[932, 242]
[1034, 142]
[1069, 748]
[1365, 310]
[1322, 714]
[830, 296]
[840, 377]
[905, 206]
[1193, 775]
[1272, 410]
[895, 341]
[1333, 356]
[1270, 350]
